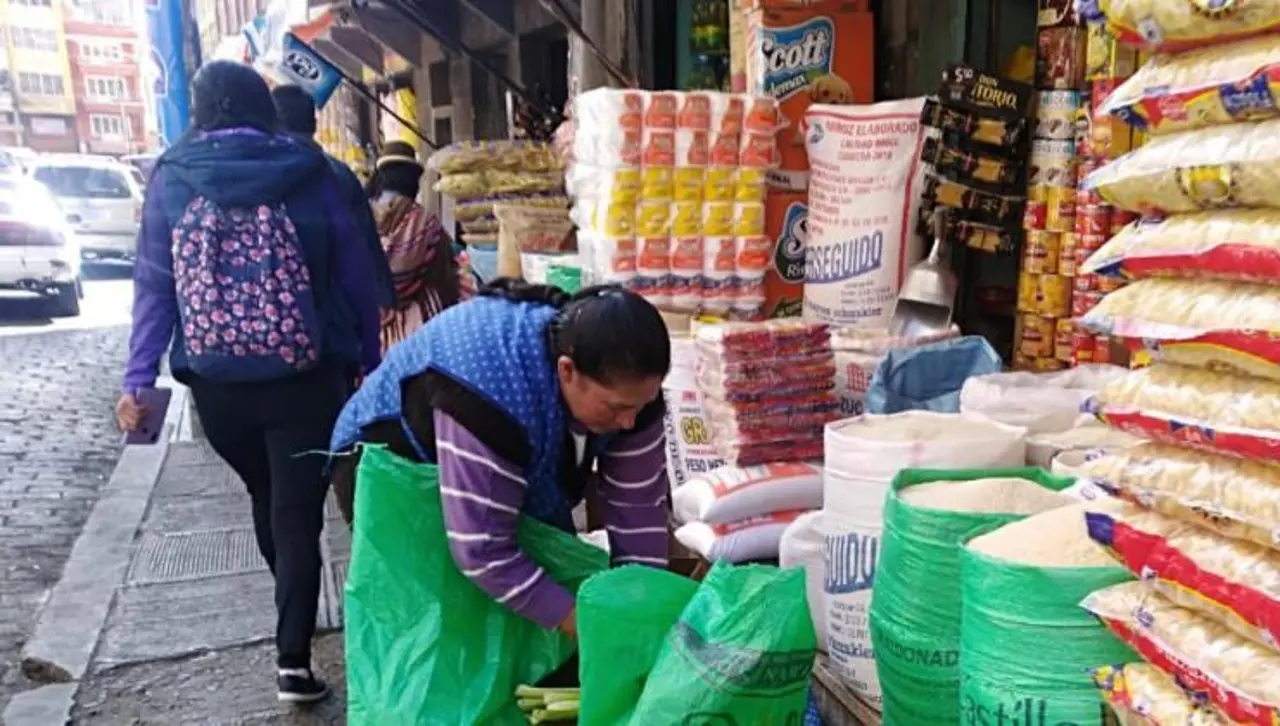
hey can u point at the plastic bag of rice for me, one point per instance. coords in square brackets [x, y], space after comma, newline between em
[1234, 497]
[916, 603]
[1021, 589]
[731, 493]
[1143, 695]
[1236, 583]
[1173, 25]
[1236, 674]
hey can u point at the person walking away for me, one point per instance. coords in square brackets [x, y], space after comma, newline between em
[244, 265]
[426, 275]
[296, 110]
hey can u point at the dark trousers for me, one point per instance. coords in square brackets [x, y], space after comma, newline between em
[274, 436]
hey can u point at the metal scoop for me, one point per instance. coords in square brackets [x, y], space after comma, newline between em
[929, 293]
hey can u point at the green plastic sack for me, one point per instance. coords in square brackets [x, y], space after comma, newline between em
[566, 277]
[740, 652]
[423, 644]
[1026, 645]
[915, 606]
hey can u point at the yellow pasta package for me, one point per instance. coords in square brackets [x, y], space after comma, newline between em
[1235, 583]
[1212, 324]
[1196, 408]
[1234, 497]
[1214, 168]
[1235, 674]
[1143, 695]
[1212, 86]
[1174, 25]
[473, 156]
[1231, 244]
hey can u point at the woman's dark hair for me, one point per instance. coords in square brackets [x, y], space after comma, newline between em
[610, 333]
[226, 94]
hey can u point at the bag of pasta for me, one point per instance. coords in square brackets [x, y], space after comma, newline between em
[1235, 674]
[1230, 244]
[1213, 86]
[473, 209]
[1143, 695]
[1234, 497]
[473, 185]
[1214, 168]
[1211, 324]
[1173, 25]
[534, 229]
[1196, 408]
[1233, 582]
[474, 156]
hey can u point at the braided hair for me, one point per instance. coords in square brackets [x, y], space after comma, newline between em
[610, 333]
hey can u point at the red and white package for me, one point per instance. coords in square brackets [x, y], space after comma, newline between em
[776, 409]
[1235, 674]
[1236, 583]
[779, 380]
[782, 338]
[729, 493]
[755, 454]
[1226, 244]
[746, 540]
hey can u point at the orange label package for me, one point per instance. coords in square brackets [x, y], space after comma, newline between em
[821, 52]
[786, 224]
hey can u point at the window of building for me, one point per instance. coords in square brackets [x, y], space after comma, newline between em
[41, 84]
[49, 126]
[103, 12]
[109, 127]
[102, 52]
[34, 39]
[7, 118]
[106, 87]
[33, 3]
[438, 81]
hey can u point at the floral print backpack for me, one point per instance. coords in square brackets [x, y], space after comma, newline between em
[245, 298]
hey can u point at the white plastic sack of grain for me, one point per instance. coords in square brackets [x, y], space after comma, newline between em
[1091, 435]
[756, 538]
[1068, 464]
[689, 450]
[863, 454]
[1038, 402]
[864, 198]
[802, 546]
[731, 493]
[858, 353]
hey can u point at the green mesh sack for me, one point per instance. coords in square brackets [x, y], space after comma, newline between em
[915, 606]
[1026, 645]
[566, 277]
[424, 645]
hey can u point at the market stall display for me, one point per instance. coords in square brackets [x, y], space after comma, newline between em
[1143, 695]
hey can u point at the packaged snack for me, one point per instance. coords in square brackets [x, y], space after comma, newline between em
[474, 156]
[971, 168]
[729, 494]
[985, 94]
[1234, 497]
[782, 381]
[1214, 168]
[1056, 115]
[1060, 58]
[976, 205]
[497, 181]
[1174, 25]
[1143, 695]
[1222, 84]
[1004, 134]
[1235, 583]
[1196, 408]
[484, 225]
[774, 451]
[535, 229]
[799, 407]
[774, 338]
[1212, 324]
[1232, 244]
[1052, 164]
[1234, 673]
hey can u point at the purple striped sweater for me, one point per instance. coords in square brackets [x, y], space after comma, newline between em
[483, 493]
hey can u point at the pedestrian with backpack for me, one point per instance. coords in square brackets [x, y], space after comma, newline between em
[247, 274]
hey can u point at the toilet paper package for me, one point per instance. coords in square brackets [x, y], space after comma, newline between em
[718, 274]
[685, 280]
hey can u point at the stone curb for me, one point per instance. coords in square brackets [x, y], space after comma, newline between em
[72, 620]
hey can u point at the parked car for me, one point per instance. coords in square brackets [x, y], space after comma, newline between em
[38, 250]
[100, 200]
[144, 163]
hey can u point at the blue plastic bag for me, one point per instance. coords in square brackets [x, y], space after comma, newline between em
[929, 378]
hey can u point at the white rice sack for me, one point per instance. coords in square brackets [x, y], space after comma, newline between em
[1038, 402]
[802, 546]
[731, 493]
[1042, 448]
[757, 538]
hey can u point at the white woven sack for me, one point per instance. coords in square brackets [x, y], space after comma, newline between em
[1038, 402]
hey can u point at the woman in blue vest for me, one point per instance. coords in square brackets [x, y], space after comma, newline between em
[515, 397]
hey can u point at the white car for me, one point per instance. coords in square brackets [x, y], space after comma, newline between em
[38, 250]
[100, 200]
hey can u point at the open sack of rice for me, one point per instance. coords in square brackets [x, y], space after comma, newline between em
[1228, 244]
[1142, 695]
[1197, 408]
[1234, 582]
[1234, 497]
[1088, 435]
[1237, 675]
[916, 604]
[1213, 324]
[1173, 25]
[1023, 637]
[1213, 168]
[1037, 402]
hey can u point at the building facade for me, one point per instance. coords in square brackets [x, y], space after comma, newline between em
[106, 58]
[39, 71]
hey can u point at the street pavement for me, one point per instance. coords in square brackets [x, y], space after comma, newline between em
[58, 445]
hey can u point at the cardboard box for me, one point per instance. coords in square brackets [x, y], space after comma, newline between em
[820, 52]
[786, 220]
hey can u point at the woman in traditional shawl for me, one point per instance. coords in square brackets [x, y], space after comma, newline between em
[423, 267]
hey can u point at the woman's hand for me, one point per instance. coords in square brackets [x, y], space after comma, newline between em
[129, 413]
[569, 626]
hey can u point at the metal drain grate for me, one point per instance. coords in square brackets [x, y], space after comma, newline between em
[183, 556]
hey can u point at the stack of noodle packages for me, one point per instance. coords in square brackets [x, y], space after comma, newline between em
[1203, 317]
[479, 174]
[668, 192]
